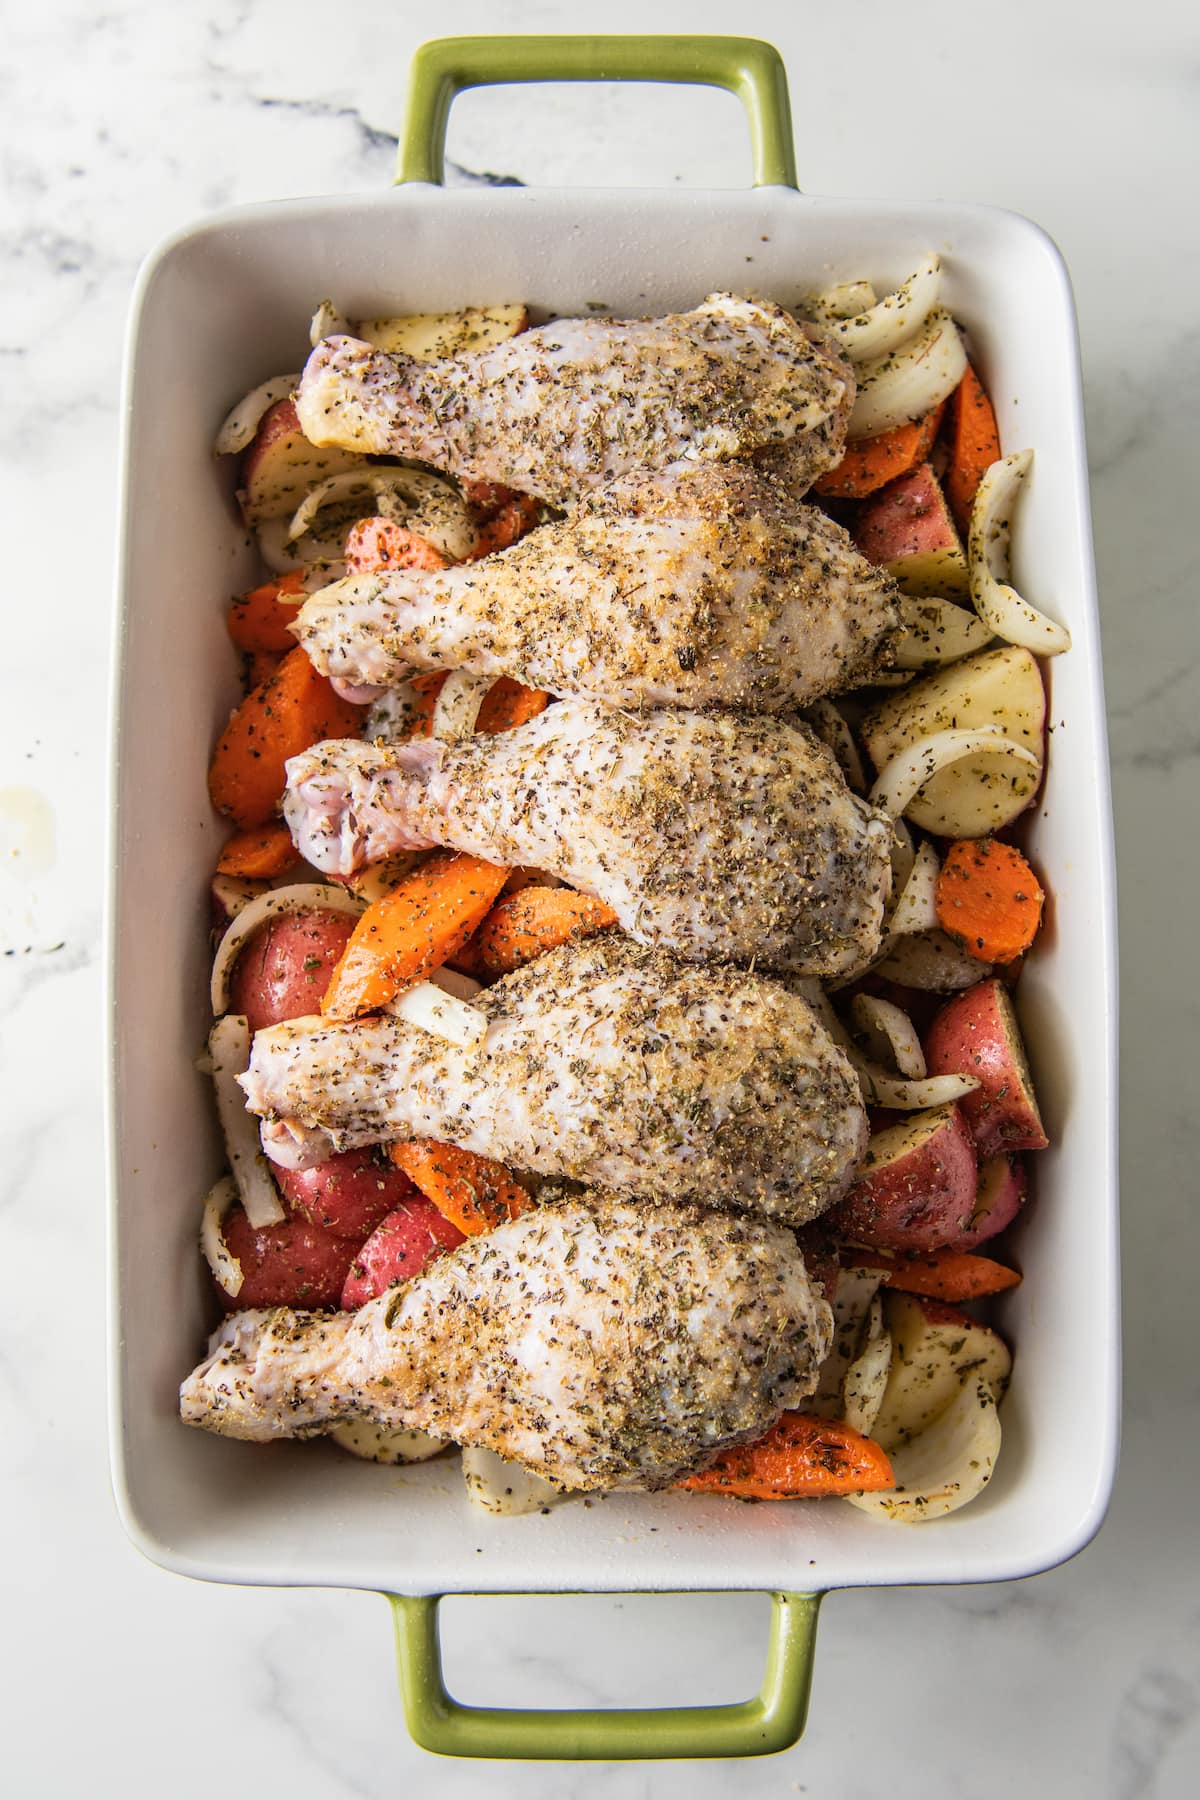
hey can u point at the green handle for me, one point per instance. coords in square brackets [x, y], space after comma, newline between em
[747, 67]
[772, 1721]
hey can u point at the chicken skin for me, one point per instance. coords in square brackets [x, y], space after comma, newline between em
[602, 1062]
[696, 585]
[718, 836]
[599, 1343]
[558, 410]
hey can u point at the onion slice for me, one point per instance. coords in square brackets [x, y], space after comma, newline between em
[853, 1301]
[830, 725]
[890, 323]
[244, 419]
[327, 321]
[947, 1464]
[229, 1047]
[227, 1270]
[301, 896]
[507, 1489]
[376, 1443]
[899, 1095]
[867, 1377]
[907, 383]
[430, 1007]
[938, 631]
[916, 904]
[427, 504]
[931, 961]
[901, 780]
[843, 301]
[457, 706]
[1000, 606]
[889, 1027]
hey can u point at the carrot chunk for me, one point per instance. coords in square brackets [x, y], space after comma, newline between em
[870, 463]
[293, 709]
[945, 1274]
[974, 446]
[263, 851]
[411, 931]
[512, 521]
[472, 1192]
[799, 1458]
[988, 899]
[378, 543]
[528, 924]
[507, 704]
[259, 620]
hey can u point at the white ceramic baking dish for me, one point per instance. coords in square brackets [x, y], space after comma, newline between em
[219, 307]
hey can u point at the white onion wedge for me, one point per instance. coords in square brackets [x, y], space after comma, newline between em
[811, 991]
[937, 631]
[244, 419]
[375, 1443]
[852, 1302]
[892, 321]
[504, 1488]
[391, 715]
[843, 301]
[427, 504]
[453, 981]
[229, 1047]
[1000, 606]
[374, 880]
[900, 1095]
[902, 854]
[317, 555]
[327, 321]
[867, 1377]
[889, 1031]
[907, 383]
[900, 781]
[931, 961]
[916, 904]
[232, 893]
[227, 1270]
[829, 724]
[444, 1015]
[946, 1466]
[457, 706]
[302, 896]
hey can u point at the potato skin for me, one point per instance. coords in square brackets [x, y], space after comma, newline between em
[411, 1237]
[285, 968]
[920, 1199]
[290, 1264]
[977, 1034]
[349, 1195]
[1000, 1196]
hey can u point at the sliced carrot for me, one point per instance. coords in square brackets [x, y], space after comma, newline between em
[974, 446]
[538, 919]
[488, 497]
[294, 708]
[514, 519]
[507, 704]
[412, 930]
[944, 1274]
[798, 1459]
[988, 899]
[260, 666]
[470, 1191]
[377, 543]
[259, 620]
[265, 850]
[870, 463]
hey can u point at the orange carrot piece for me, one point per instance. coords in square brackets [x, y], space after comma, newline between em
[294, 708]
[263, 851]
[514, 519]
[470, 1191]
[988, 899]
[259, 620]
[377, 543]
[260, 666]
[411, 931]
[799, 1458]
[488, 497]
[945, 1274]
[507, 704]
[870, 463]
[538, 919]
[974, 446]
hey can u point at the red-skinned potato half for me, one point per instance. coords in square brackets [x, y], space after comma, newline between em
[349, 1195]
[285, 968]
[290, 1264]
[998, 1199]
[408, 1240]
[977, 1034]
[906, 527]
[917, 1186]
[281, 466]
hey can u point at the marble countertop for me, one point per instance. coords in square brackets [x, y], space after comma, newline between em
[121, 121]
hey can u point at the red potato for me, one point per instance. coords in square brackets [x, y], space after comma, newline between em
[349, 1195]
[285, 968]
[977, 1034]
[290, 1264]
[907, 528]
[998, 1199]
[917, 1188]
[821, 1259]
[408, 1240]
[281, 465]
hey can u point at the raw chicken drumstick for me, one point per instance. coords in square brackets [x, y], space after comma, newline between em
[720, 836]
[689, 586]
[602, 1344]
[602, 1062]
[555, 411]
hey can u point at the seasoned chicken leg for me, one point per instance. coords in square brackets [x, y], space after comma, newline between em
[689, 586]
[716, 835]
[558, 410]
[602, 1344]
[602, 1062]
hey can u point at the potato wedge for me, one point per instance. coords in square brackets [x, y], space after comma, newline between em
[281, 465]
[984, 791]
[506, 1489]
[936, 1351]
[376, 1444]
[430, 336]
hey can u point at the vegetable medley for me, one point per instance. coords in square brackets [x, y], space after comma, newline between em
[949, 742]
